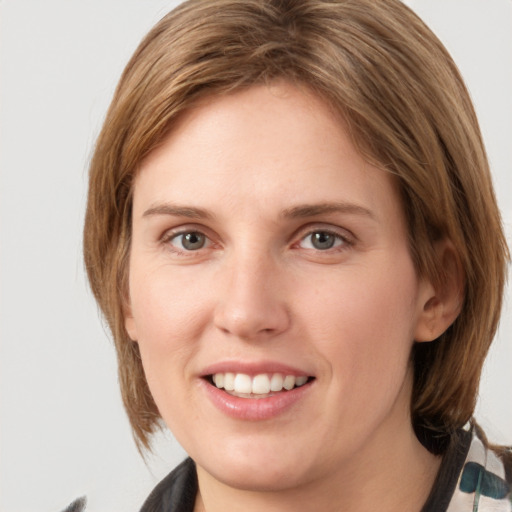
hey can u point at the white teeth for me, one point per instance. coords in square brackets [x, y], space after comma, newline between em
[262, 384]
[300, 381]
[276, 382]
[229, 381]
[289, 382]
[243, 383]
[218, 380]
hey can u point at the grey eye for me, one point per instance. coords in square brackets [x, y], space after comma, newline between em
[190, 241]
[322, 240]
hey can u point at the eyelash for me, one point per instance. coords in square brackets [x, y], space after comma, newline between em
[170, 236]
[341, 242]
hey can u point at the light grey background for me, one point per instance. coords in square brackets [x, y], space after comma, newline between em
[63, 430]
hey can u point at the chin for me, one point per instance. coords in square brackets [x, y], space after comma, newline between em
[258, 478]
[257, 468]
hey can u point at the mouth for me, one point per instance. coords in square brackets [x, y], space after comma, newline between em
[263, 385]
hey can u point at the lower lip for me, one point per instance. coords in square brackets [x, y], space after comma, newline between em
[255, 409]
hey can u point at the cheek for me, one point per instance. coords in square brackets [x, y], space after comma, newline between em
[364, 324]
[169, 314]
[166, 306]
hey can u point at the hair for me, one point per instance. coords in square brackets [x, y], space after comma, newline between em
[407, 110]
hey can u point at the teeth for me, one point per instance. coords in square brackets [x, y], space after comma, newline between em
[218, 380]
[300, 381]
[276, 382]
[261, 384]
[229, 381]
[243, 383]
[289, 382]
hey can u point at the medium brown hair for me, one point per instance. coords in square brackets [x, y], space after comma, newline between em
[408, 112]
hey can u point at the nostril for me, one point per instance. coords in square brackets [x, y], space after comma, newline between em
[248, 313]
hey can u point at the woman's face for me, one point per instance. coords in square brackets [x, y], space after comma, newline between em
[267, 255]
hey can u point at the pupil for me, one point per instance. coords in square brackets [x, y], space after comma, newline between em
[193, 241]
[323, 240]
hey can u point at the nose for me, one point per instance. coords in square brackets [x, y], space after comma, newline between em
[252, 302]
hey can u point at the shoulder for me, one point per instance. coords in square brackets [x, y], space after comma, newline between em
[484, 484]
[176, 492]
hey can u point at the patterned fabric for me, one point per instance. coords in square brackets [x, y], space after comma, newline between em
[482, 485]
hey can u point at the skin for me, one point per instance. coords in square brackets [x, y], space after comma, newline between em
[259, 290]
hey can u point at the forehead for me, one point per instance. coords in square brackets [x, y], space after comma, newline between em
[273, 144]
[276, 108]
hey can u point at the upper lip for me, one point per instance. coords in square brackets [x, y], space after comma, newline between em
[253, 368]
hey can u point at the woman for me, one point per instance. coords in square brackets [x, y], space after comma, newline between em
[292, 232]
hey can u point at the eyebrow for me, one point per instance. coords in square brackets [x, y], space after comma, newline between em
[295, 212]
[311, 210]
[178, 211]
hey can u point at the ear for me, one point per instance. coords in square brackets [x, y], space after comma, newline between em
[129, 322]
[440, 307]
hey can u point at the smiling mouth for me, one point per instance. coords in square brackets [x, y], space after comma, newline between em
[259, 386]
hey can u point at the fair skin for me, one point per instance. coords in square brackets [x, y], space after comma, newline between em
[263, 244]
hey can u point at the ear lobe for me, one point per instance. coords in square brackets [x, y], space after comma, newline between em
[441, 306]
[129, 323]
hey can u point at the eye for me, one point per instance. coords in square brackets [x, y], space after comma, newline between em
[189, 241]
[322, 240]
